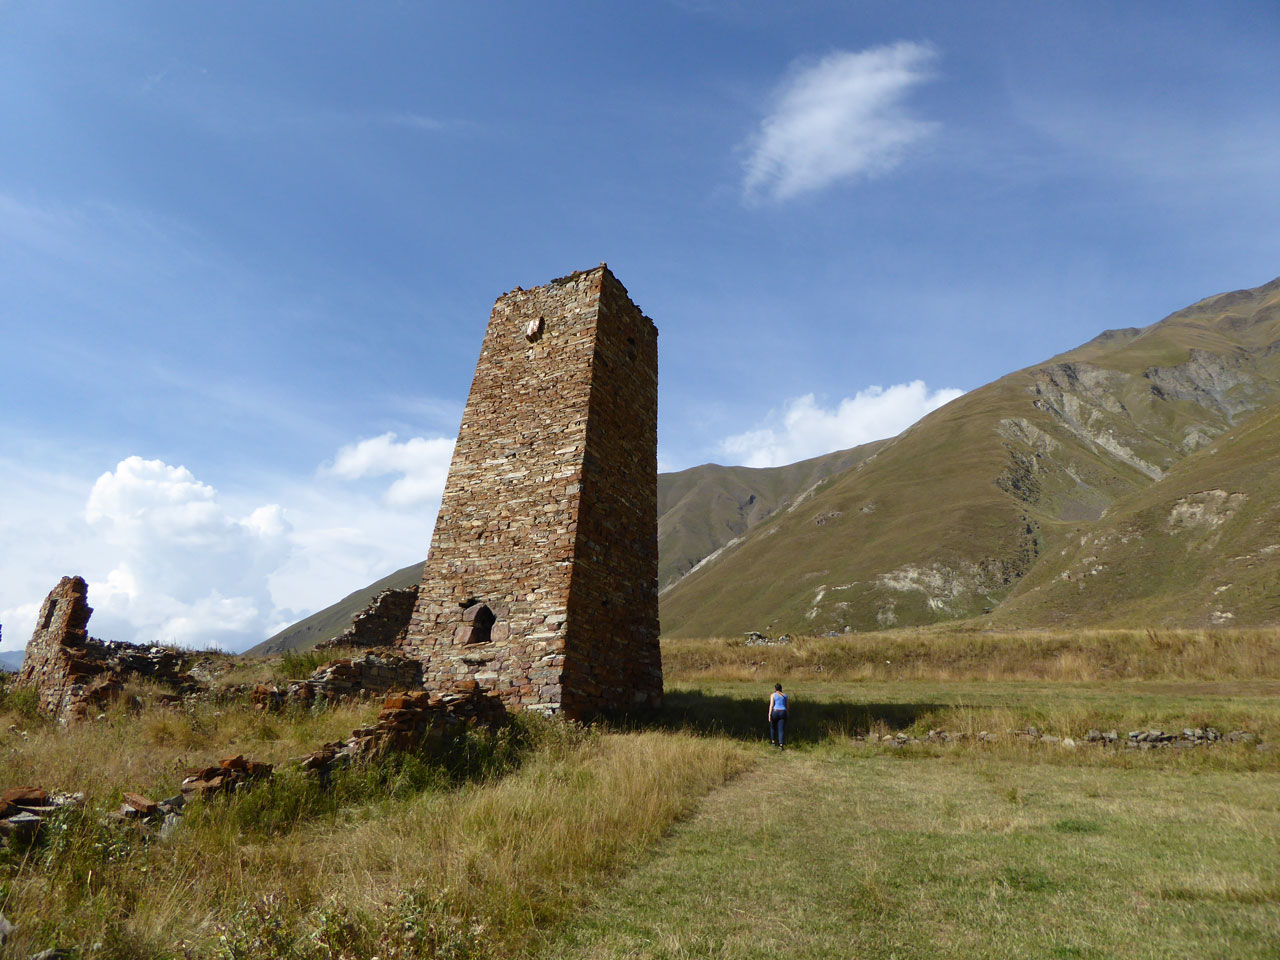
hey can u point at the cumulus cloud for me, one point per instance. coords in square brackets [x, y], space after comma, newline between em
[185, 569]
[423, 465]
[805, 429]
[171, 559]
[840, 118]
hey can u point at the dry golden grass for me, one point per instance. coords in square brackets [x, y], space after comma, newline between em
[949, 655]
[439, 867]
[150, 750]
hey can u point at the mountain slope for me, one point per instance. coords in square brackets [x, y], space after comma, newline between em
[702, 509]
[949, 518]
[1199, 549]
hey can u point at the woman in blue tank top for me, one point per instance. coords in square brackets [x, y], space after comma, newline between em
[777, 716]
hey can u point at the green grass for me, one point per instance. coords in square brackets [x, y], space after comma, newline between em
[834, 850]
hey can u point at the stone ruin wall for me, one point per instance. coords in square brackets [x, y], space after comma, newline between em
[73, 673]
[541, 583]
[383, 623]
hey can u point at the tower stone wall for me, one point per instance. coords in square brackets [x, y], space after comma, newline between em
[541, 586]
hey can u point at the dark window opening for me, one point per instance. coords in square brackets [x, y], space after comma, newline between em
[477, 623]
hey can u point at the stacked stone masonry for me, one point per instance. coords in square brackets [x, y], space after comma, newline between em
[74, 674]
[541, 586]
[382, 623]
[344, 680]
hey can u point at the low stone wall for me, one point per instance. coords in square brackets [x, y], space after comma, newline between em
[409, 721]
[344, 679]
[1135, 740]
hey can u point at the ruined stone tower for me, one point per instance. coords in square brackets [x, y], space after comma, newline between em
[541, 585]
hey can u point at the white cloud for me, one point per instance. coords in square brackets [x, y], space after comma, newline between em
[840, 118]
[423, 465]
[806, 430]
[170, 559]
[184, 569]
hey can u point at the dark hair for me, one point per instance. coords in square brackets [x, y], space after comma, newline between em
[777, 686]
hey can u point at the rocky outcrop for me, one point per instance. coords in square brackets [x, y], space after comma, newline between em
[1216, 383]
[74, 674]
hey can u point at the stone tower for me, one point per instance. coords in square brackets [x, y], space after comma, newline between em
[541, 586]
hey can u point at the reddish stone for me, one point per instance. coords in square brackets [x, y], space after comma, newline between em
[140, 803]
[25, 797]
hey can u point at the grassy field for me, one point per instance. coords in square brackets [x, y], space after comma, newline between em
[682, 834]
[832, 851]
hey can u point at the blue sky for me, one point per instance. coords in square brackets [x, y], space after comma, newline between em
[247, 251]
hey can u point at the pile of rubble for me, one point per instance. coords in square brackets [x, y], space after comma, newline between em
[1136, 739]
[343, 680]
[75, 675]
[227, 776]
[383, 623]
[410, 721]
[757, 639]
[24, 809]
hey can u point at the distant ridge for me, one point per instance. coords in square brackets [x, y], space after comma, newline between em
[1134, 480]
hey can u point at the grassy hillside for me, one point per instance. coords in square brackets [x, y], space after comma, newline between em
[976, 503]
[1200, 548]
[703, 508]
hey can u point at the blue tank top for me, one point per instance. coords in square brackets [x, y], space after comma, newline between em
[779, 702]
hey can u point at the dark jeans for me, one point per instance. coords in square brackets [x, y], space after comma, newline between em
[777, 726]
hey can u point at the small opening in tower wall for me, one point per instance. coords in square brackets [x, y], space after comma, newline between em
[533, 330]
[477, 623]
[48, 616]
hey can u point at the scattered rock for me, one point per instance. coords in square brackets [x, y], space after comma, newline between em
[140, 805]
[757, 639]
[229, 775]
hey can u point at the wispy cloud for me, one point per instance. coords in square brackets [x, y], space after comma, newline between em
[421, 463]
[841, 118]
[806, 429]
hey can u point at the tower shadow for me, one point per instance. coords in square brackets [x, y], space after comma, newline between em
[746, 718]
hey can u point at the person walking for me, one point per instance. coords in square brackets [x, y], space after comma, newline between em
[777, 716]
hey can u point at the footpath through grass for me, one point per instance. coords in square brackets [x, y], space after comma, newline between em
[842, 851]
